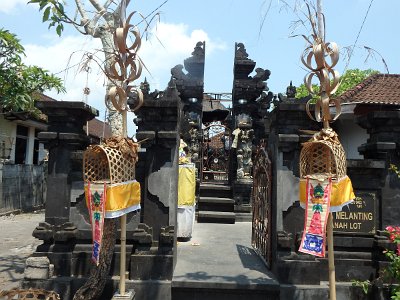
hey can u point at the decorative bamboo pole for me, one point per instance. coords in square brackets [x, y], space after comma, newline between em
[124, 69]
[331, 259]
[122, 267]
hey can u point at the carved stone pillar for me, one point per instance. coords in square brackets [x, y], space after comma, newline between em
[157, 171]
[65, 140]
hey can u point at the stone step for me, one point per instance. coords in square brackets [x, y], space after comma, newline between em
[243, 217]
[220, 292]
[215, 190]
[216, 217]
[216, 204]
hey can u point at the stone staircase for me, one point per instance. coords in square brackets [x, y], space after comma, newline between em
[216, 204]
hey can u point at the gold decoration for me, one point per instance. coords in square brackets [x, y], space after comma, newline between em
[125, 68]
[316, 58]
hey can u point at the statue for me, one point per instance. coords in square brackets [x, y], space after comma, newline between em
[243, 143]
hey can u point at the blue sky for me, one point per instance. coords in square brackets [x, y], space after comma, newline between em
[221, 23]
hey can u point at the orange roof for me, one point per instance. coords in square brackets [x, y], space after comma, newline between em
[97, 127]
[376, 89]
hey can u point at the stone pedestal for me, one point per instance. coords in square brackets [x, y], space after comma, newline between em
[242, 190]
[129, 295]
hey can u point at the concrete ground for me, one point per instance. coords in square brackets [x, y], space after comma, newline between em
[16, 244]
[220, 255]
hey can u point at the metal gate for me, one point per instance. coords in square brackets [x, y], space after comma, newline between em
[215, 152]
[261, 202]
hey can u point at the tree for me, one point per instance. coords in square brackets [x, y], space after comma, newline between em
[20, 84]
[349, 79]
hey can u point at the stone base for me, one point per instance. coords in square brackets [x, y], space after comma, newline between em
[242, 191]
[129, 295]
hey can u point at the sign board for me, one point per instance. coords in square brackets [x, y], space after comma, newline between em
[359, 216]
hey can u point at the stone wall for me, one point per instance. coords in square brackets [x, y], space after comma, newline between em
[22, 187]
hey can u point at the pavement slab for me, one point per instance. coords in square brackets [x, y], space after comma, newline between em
[221, 256]
[17, 244]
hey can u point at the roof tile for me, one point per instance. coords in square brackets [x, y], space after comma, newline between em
[376, 89]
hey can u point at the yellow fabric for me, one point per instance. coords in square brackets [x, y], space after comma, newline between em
[121, 196]
[186, 186]
[342, 192]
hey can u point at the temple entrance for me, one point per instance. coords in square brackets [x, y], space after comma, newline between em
[216, 145]
[261, 202]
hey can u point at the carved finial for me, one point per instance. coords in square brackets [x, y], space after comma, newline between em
[198, 49]
[241, 51]
[291, 91]
[145, 87]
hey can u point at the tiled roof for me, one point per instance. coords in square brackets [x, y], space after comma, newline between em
[376, 89]
[211, 105]
[96, 128]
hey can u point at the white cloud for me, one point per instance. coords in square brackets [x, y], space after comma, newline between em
[8, 6]
[59, 53]
[167, 46]
[64, 53]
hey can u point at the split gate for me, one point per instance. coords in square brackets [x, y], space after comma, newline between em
[261, 202]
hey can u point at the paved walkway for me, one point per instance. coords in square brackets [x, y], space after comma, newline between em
[17, 243]
[220, 256]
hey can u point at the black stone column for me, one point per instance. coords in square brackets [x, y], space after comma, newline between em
[383, 126]
[157, 171]
[250, 102]
[65, 140]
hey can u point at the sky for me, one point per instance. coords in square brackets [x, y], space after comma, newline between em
[220, 23]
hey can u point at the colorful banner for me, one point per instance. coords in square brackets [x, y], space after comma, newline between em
[318, 195]
[342, 193]
[121, 198]
[96, 195]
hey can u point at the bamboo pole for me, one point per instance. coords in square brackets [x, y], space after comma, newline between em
[331, 259]
[122, 269]
[331, 252]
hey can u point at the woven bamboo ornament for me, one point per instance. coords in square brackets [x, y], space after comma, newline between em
[323, 157]
[113, 163]
[30, 294]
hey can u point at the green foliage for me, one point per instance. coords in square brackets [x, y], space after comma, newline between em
[53, 13]
[20, 83]
[394, 169]
[349, 80]
[391, 273]
[365, 285]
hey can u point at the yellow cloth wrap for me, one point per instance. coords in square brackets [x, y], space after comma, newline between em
[342, 193]
[186, 186]
[121, 195]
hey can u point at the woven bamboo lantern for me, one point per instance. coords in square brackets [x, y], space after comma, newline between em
[113, 164]
[323, 157]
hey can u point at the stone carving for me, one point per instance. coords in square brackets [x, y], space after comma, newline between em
[241, 51]
[243, 142]
[291, 91]
[244, 153]
[194, 145]
[178, 74]
[261, 75]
